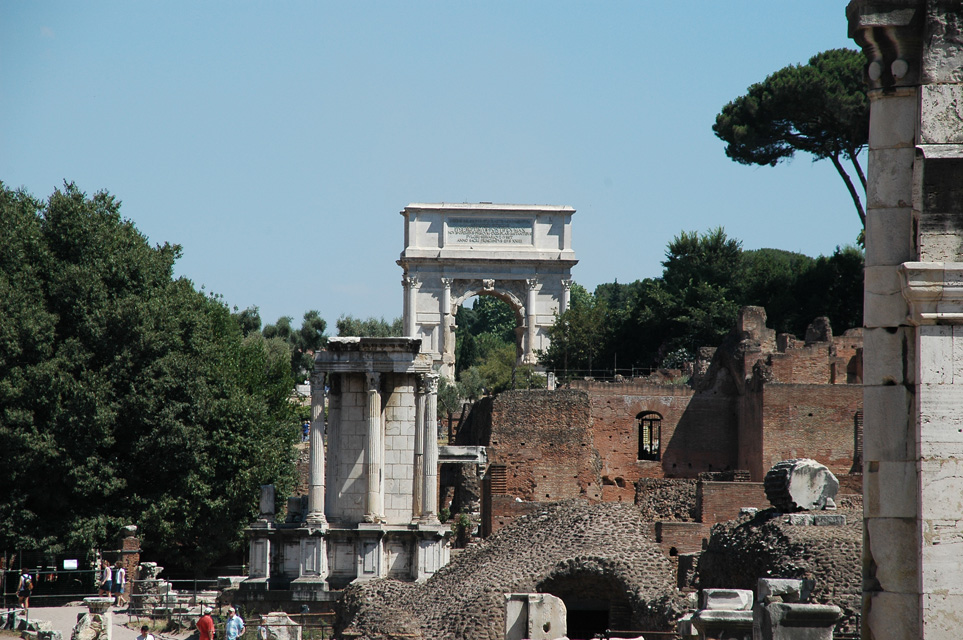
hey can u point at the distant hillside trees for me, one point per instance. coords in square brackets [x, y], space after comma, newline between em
[126, 395]
[706, 278]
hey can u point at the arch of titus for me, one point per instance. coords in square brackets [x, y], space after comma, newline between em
[521, 254]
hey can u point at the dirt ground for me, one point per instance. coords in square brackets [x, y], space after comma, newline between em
[64, 618]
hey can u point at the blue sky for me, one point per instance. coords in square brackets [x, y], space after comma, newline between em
[277, 142]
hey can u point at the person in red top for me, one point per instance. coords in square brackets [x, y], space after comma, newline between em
[205, 625]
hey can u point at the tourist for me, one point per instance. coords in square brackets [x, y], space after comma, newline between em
[262, 631]
[145, 633]
[106, 581]
[205, 625]
[234, 626]
[120, 580]
[305, 431]
[24, 589]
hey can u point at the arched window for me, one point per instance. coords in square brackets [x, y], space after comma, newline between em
[650, 435]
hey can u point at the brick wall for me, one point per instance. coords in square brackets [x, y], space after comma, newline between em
[698, 432]
[543, 440]
[811, 421]
[681, 537]
[721, 501]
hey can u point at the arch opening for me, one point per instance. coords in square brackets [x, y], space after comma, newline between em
[595, 603]
[650, 435]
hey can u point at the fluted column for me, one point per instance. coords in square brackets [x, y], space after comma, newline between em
[373, 449]
[411, 283]
[418, 479]
[430, 429]
[566, 296]
[316, 468]
[530, 317]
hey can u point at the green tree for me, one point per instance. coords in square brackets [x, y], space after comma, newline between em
[126, 396]
[369, 327]
[819, 108]
[302, 342]
[249, 320]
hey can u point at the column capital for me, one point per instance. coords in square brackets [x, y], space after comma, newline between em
[934, 291]
[567, 284]
[447, 282]
[532, 283]
[430, 382]
[372, 380]
[890, 34]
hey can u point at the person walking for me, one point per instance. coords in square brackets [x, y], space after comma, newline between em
[106, 581]
[24, 589]
[235, 625]
[205, 625]
[120, 581]
[145, 633]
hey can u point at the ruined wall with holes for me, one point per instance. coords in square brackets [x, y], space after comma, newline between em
[568, 549]
[739, 552]
[698, 431]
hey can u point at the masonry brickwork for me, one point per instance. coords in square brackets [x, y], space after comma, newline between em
[739, 552]
[564, 549]
[761, 398]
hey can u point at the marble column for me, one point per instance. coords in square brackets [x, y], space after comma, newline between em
[530, 318]
[411, 284]
[447, 337]
[334, 433]
[316, 468]
[566, 296]
[373, 449]
[430, 429]
[418, 474]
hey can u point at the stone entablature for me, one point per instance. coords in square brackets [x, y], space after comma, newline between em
[521, 254]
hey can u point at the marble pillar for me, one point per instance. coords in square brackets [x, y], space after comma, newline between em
[316, 463]
[430, 429]
[373, 449]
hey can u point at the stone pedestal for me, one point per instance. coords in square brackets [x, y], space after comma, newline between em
[795, 621]
[537, 616]
[721, 624]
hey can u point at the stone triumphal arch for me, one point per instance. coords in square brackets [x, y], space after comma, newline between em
[521, 254]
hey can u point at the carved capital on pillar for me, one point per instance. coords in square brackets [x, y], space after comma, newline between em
[890, 34]
[373, 381]
[532, 283]
[447, 282]
[431, 382]
[411, 282]
[567, 285]
[934, 291]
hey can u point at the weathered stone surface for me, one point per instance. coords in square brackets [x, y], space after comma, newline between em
[783, 621]
[281, 627]
[726, 599]
[562, 546]
[91, 626]
[738, 553]
[828, 519]
[801, 484]
[536, 616]
[789, 590]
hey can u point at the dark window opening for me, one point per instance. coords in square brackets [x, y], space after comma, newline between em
[650, 435]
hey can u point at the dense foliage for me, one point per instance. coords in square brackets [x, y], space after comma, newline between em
[706, 279]
[369, 327]
[126, 396]
[819, 108]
